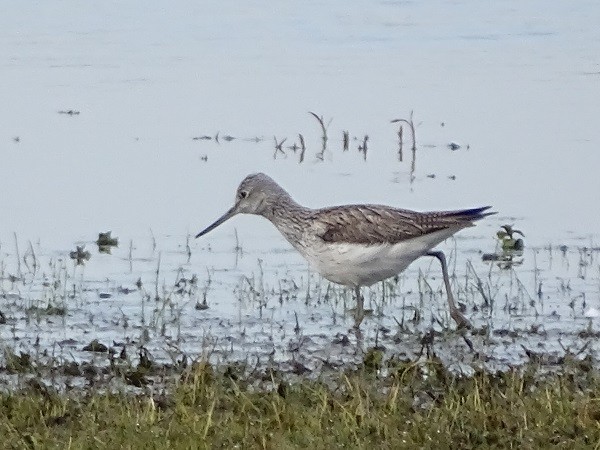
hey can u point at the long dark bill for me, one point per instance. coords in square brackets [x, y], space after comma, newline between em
[218, 222]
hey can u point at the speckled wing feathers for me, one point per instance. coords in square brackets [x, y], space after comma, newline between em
[375, 224]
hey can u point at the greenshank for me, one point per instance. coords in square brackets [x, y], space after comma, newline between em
[354, 245]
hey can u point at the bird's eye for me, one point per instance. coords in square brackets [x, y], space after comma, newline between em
[243, 194]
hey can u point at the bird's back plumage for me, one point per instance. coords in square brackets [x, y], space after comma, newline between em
[377, 224]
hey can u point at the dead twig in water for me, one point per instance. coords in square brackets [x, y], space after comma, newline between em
[346, 140]
[20, 274]
[153, 241]
[30, 254]
[188, 248]
[130, 255]
[156, 282]
[324, 136]
[297, 327]
[302, 147]
[413, 166]
[363, 147]
[411, 124]
[255, 139]
[400, 142]
[278, 146]
[239, 251]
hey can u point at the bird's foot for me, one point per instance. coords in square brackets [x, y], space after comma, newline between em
[461, 321]
[358, 318]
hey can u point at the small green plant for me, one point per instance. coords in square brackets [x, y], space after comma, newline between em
[105, 242]
[507, 239]
[105, 239]
[511, 245]
[80, 255]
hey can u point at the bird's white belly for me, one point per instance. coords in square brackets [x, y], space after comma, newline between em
[357, 264]
[352, 264]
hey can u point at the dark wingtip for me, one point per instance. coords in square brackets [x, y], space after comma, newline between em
[476, 213]
[472, 214]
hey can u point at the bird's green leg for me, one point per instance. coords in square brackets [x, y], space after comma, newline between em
[455, 313]
[360, 311]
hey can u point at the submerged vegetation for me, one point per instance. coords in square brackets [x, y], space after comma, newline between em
[360, 142]
[147, 300]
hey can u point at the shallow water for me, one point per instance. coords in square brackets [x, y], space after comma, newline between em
[516, 85]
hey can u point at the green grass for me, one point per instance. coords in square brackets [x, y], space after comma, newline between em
[417, 405]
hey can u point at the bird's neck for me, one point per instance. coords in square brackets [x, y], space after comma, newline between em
[278, 207]
[287, 215]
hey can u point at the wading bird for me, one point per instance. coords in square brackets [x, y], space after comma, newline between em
[354, 245]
